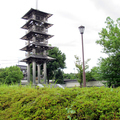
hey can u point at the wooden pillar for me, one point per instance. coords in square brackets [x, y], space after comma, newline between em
[34, 72]
[28, 73]
[39, 69]
[45, 72]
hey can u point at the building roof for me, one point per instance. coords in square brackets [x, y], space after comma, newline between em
[40, 59]
[31, 33]
[22, 67]
[26, 26]
[35, 45]
[26, 16]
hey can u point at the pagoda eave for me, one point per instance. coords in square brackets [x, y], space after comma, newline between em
[29, 48]
[47, 25]
[29, 34]
[26, 16]
[38, 59]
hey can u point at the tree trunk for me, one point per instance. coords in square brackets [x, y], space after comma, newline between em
[48, 81]
[80, 84]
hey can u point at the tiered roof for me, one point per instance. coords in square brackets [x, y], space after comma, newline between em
[38, 46]
[26, 16]
[31, 21]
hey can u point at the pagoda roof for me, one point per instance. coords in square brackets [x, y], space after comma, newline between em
[47, 25]
[30, 46]
[26, 16]
[29, 34]
[40, 59]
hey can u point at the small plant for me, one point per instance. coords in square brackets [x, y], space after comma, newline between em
[70, 111]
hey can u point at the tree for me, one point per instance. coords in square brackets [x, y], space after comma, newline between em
[10, 75]
[59, 76]
[110, 37]
[58, 63]
[2, 75]
[71, 76]
[110, 41]
[110, 70]
[79, 66]
[96, 73]
[88, 76]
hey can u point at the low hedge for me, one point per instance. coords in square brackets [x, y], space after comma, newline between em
[27, 103]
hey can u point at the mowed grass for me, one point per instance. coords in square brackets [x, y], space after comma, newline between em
[30, 103]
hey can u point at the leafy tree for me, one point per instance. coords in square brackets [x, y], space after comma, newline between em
[96, 73]
[89, 76]
[58, 63]
[59, 77]
[110, 41]
[2, 75]
[110, 37]
[79, 66]
[11, 75]
[110, 70]
[70, 76]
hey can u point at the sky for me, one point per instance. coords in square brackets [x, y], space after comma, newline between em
[68, 15]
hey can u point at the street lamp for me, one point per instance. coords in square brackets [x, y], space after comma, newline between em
[81, 29]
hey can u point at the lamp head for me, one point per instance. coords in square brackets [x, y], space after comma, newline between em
[81, 29]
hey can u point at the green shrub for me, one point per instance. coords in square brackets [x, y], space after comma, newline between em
[10, 75]
[26, 103]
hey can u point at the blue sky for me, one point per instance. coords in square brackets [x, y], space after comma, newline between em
[68, 15]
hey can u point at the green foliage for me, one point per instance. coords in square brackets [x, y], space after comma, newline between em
[58, 63]
[110, 37]
[89, 76]
[110, 70]
[2, 75]
[26, 103]
[110, 41]
[59, 76]
[71, 76]
[79, 66]
[96, 73]
[11, 75]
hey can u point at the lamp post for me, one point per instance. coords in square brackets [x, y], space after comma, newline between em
[81, 29]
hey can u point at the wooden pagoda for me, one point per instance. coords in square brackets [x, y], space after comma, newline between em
[37, 42]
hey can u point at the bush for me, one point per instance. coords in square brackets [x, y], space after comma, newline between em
[26, 103]
[11, 75]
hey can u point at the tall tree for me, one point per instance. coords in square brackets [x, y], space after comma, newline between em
[110, 41]
[58, 63]
[110, 70]
[110, 37]
[79, 66]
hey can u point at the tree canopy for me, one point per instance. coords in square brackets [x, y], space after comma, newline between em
[59, 76]
[58, 63]
[109, 68]
[10, 75]
[110, 36]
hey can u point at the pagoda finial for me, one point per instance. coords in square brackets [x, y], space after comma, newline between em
[36, 4]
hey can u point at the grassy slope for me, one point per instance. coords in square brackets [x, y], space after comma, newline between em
[26, 103]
